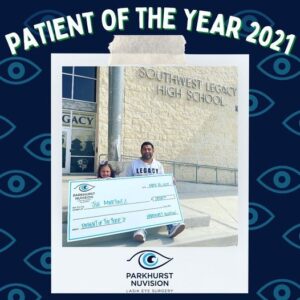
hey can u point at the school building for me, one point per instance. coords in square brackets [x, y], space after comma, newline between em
[188, 113]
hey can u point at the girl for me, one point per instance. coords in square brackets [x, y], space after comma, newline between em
[105, 170]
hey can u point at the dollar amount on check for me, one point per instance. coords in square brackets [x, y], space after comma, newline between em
[115, 205]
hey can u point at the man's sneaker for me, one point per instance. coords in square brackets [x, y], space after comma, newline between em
[175, 230]
[140, 236]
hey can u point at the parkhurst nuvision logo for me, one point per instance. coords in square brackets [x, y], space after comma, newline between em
[84, 187]
[151, 260]
[158, 281]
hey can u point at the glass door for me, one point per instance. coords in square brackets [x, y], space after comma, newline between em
[66, 143]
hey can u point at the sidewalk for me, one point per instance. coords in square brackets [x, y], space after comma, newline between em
[210, 213]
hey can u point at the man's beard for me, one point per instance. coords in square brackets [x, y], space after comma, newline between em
[146, 156]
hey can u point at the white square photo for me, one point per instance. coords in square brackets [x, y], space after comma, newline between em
[149, 175]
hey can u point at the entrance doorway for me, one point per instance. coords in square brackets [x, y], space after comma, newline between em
[66, 154]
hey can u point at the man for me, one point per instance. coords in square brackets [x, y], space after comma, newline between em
[147, 165]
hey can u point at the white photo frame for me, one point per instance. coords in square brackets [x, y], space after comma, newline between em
[194, 269]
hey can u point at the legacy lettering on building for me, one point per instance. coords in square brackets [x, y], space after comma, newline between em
[78, 119]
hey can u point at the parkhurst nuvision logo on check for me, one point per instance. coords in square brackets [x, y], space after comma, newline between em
[159, 282]
[84, 187]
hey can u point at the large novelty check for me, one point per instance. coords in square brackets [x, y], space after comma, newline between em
[110, 206]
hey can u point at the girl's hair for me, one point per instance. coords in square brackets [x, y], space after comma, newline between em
[104, 164]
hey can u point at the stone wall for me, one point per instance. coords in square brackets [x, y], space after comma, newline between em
[188, 113]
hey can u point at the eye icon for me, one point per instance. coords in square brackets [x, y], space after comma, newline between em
[6, 240]
[6, 127]
[18, 70]
[280, 179]
[279, 289]
[259, 103]
[84, 187]
[18, 291]
[249, 16]
[39, 260]
[18, 183]
[42, 16]
[292, 122]
[259, 216]
[280, 66]
[292, 236]
[39, 147]
[151, 260]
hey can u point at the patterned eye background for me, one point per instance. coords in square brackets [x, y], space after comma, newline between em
[259, 216]
[279, 289]
[281, 179]
[280, 67]
[259, 103]
[18, 70]
[18, 184]
[39, 147]
[42, 16]
[39, 260]
[6, 127]
[250, 15]
[274, 109]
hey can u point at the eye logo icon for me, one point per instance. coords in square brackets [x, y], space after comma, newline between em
[280, 67]
[39, 147]
[18, 183]
[248, 16]
[6, 240]
[280, 179]
[42, 16]
[84, 187]
[259, 216]
[19, 291]
[18, 70]
[292, 122]
[151, 260]
[39, 260]
[292, 236]
[259, 103]
[279, 289]
[6, 127]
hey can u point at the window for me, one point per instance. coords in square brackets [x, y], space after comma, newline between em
[78, 148]
[79, 83]
[78, 119]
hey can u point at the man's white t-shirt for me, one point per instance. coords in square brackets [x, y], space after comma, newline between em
[140, 168]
